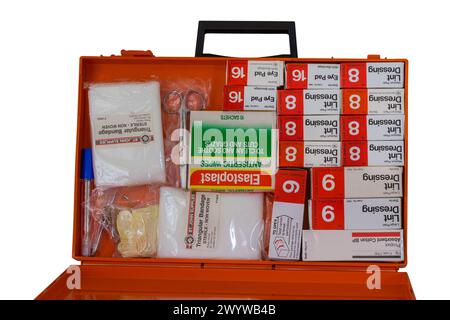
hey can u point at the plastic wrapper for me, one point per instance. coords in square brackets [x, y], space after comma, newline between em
[126, 130]
[130, 216]
[178, 98]
[210, 225]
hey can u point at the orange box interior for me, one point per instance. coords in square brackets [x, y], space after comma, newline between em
[105, 277]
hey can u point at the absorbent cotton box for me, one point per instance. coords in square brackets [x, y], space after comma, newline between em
[352, 245]
[234, 151]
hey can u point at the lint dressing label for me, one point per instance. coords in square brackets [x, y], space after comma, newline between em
[372, 75]
[373, 101]
[354, 214]
[203, 220]
[309, 102]
[356, 182]
[373, 153]
[120, 130]
[297, 154]
[373, 127]
[232, 150]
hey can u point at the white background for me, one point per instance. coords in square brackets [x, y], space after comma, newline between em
[41, 42]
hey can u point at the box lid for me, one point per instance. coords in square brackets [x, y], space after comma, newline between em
[155, 282]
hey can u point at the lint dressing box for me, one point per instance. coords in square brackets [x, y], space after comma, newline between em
[356, 182]
[373, 101]
[309, 128]
[105, 276]
[308, 154]
[373, 153]
[355, 214]
[309, 102]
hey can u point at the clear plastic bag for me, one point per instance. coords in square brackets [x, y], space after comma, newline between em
[210, 225]
[178, 98]
[126, 130]
[130, 216]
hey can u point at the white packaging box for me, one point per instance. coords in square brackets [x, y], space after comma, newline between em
[313, 75]
[372, 75]
[321, 128]
[356, 182]
[385, 101]
[373, 153]
[309, 102]
[255, 73]
[356, 214]
[372, 127]
[287, 215]
[321, 154]
[373, 101]
[385, 74]
[246, 98]
[232, 151]
[352, 245]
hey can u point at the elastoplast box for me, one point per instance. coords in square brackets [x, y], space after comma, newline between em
[372, 127]
[373, 101]
[311, 128]
[247, 98]
[372, 75]
[309, 102]
[308, 154]
[312, 76]
[373, 153]
[352, 245]
[356, 182]
[287, 215]
[255, 73]
[232, 150]
[354, 214]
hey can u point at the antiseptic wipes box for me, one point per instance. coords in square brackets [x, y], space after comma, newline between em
[232, 150]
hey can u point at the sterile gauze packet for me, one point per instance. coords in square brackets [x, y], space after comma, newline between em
[127, 138]
[210, 225]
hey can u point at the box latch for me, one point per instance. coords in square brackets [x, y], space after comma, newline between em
[373, 57]
[137, 53]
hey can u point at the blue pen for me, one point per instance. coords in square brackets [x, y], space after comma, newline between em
[87, 176]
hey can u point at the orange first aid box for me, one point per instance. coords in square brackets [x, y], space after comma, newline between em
[105, 276]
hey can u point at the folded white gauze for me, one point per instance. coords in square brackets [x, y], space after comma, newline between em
[209, 225]
[127, 139]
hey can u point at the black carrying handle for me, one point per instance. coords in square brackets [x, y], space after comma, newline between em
[246, 27]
